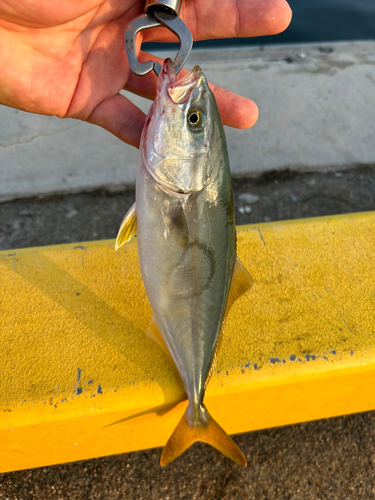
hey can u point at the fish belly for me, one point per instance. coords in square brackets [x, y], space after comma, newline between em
[187, 249]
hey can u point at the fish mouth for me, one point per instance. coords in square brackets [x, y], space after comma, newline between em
[180, 90]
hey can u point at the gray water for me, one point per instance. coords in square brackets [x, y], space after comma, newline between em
[313, 21]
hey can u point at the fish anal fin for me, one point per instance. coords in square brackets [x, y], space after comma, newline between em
[241, 283]
[128, 228]
[208, 431]
[153, 333]
[215, 356]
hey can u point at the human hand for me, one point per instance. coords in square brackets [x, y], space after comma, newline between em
[68, 58]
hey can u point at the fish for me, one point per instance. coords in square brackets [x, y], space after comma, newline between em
[183, 218]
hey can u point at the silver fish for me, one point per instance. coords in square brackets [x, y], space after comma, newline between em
[186, 236]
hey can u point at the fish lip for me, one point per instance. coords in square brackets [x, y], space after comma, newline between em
[167, 72]
[180, 90]
[191, 77]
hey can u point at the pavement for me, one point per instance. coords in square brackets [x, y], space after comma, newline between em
[312, 153]
[328, 459]
[323, 460]
[54, 219]
[316, 112]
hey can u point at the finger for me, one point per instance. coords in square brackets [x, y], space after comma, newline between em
[209, 19]
[236, 111]
[125, 120]
[120, 117]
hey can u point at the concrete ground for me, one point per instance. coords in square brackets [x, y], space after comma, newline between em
[316, 113]
[49, 220]
[324, 460]
[316, 107]
[328, 459]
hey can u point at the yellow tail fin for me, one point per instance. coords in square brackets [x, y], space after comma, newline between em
[208, 431]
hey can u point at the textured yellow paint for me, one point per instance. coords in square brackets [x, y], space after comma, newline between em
[79, 376]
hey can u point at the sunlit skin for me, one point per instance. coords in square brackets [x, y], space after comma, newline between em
[68, 58]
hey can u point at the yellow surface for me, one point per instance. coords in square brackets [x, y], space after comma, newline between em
[79, 376]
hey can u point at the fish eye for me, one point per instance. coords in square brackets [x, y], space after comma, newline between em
[195, 119]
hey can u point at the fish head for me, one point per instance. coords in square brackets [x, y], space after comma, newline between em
[179, 131]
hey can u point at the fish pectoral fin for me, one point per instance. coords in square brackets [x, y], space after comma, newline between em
[153, 333]
[241, 283]
[208, 431]
[128, 228]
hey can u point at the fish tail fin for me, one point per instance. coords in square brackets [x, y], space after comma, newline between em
[206, 430]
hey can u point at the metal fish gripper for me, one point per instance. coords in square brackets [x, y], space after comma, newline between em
[163, 13]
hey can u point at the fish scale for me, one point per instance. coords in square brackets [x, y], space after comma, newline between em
[186, 240]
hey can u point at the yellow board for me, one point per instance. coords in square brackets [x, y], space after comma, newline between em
[80, 379]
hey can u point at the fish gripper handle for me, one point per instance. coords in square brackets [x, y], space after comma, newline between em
[169, 6]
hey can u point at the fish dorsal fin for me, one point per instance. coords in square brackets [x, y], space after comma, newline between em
[241, 282]
[128, 228]
[153, 333]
